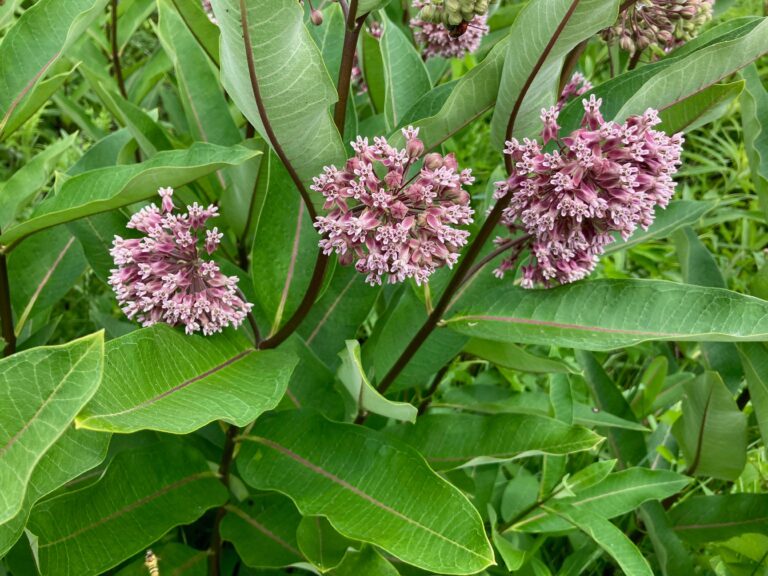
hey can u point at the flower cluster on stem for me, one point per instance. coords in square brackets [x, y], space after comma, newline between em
[665, 24]
[604, 178]
[436, 39]
[388, 222]
[163, 277]
[578, 85]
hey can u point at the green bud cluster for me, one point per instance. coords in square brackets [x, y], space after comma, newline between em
[662, 24]
[453, 12]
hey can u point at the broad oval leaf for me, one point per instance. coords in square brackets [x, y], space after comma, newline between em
[143, 493]
[610, 314]
[263, 530]
[533, 29]
[75, 452]
[294, 85]
[367, 561]
[41, 391]
[716, 518]
[161, 379]
[368, 497]
[108, 188]
[450, 440]
[754, 113]
[35, 42]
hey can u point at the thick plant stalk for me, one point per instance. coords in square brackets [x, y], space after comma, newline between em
[224, 472]
[6, 312]
[485, 232]
[116, 67]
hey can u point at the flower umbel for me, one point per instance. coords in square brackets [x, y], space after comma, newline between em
[436, 39]
[162, 276]
[390, 223]
[578, 85]
[603, 178]
[662, 23]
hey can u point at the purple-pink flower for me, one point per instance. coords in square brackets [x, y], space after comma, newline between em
[209, 10]
[603, 178]
[578, 85]
[389, 221]
[163, 277]
[436, 40]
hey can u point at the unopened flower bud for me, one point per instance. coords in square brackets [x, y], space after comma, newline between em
[414, 148]
[433, 161]
[317, 17]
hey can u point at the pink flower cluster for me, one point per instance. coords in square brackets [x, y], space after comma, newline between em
[605, 177]
[578, 85]
[435, 39]
[391, 223]
[162, 277]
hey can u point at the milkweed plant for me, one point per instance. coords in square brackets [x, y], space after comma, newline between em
[383, 287]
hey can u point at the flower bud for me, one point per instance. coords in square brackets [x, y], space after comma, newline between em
[414, 148]
[433, 161]
[317, 17]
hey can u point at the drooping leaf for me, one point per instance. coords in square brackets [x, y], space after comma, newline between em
[338, 314]
[41, 391]
[143, 493]
[609, 314]
[366, 498]
[35, 42]
[514, 357]
[367, 561]
[362, 394]
[754, 113]
[263, 530]
[712, 431]
[405, 75]
[671, 554]
[320, 543]
[701, 108]
[293, 83]
[108, 188]
[42, 270]
[450, 440]
[619, 493]
[75, 452]
[716, 518]
[205, 32]
[754, 358]
[528, 40]
[373, 70]
[610, 539]
[284, 247]
[161, 379]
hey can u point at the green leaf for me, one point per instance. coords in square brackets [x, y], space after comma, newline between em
[367, 561]
[712, 431]
[609, 538]
[27, 181]
[74, 453]
[320, 543]
[203, 379]
[206, 107]
[366, 6]
[206, 32]
[263, 530]
[678, 214]
[338, 314]
[754, 114]
[405, 75]
[294, 85]
[284, 247]
[367, 498]
[42, 270]
[529, 36]
[693, 73]
[515, 357]
[671, 554]
[701, 108]
[619, 493]
[754, 358]
[701, 519]
[373, 70]
[35, 42]
[42, 390]
[450, 440]
[143, 493]
[109, 188]
[610, 314]
[95, 235]
[364, 396]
